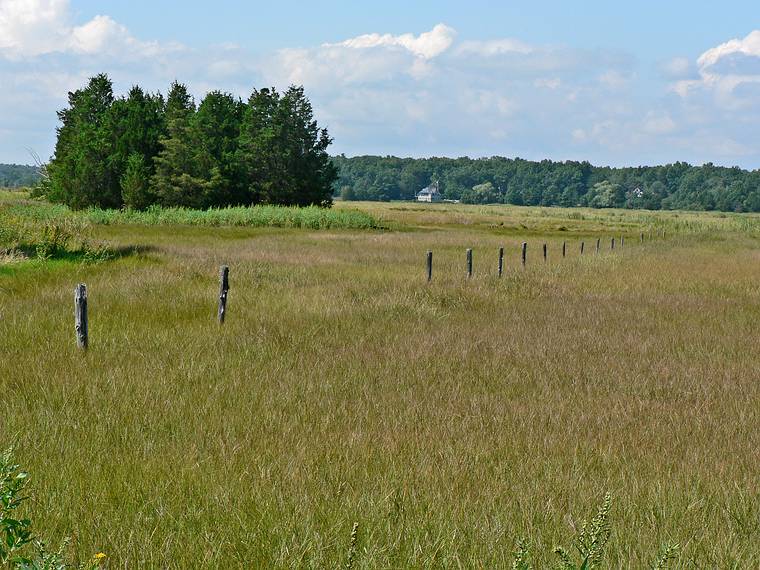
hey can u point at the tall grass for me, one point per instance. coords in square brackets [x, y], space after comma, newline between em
[311, 217]
[447, 419]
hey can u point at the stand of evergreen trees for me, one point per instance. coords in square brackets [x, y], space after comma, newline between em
[142, 149]
[547, 183]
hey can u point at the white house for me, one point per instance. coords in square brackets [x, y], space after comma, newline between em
[430, 194]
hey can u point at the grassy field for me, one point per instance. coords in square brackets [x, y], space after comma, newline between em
[448, 419]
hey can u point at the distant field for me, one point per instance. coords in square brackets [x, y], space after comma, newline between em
[448, 419]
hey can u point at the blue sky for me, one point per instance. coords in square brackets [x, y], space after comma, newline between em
[614, 83]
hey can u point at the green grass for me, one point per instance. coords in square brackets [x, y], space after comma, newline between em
[311, 217]
[448, 419]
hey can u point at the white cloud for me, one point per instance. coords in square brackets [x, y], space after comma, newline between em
[495, 47]
[750, 45]
[677, 68]
[723, 68]
[30, 28]
[658, 124]
[415, 93]
[553, 83]
[427, 45]
[614, 79]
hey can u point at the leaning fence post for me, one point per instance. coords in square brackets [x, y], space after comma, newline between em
[598, 242]
[80, 315]
[622, 241]
[524, 252]
[544, 253]
[224, 286]
[469, 263]
[501, 261]
[563, 249]
[429, 265]
[582, 246]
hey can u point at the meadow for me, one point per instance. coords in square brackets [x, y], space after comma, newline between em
[448, 419]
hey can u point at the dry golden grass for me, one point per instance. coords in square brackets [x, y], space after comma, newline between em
[448, 419]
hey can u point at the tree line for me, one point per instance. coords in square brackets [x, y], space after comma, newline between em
[548, 183]
[18, 175]
[143, 149]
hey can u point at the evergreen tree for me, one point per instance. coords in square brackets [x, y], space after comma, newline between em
[282, 152]
[135, 183]
[177, 180]
[80, 172]
[216, 127]
[136, 124]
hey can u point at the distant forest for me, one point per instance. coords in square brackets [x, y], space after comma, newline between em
[496, 180]
[18, 175]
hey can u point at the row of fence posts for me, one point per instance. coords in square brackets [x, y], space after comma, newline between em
[524, 254]
[81, 324]
[80, 306]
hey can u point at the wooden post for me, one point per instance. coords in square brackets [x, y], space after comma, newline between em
[224, 286]
[641, 237]
[524, 252]
[622, 241]
[501, 261]
[544, 253]
[598, 242]
[469, 263]
[583, 244]
[80, 316]
[429, 265]
[612, 243]
[563, 249]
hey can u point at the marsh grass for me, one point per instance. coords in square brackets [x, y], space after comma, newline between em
[311, 217]
[448, 419]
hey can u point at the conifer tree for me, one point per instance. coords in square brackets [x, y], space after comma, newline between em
[216, 126]
[176, 181]
[80, 172]
[136, 124]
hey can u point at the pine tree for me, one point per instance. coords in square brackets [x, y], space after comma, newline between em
[176, 181]
[216, 126]
[282, 151]
[135, 183]
[80, 173]
[136, 124]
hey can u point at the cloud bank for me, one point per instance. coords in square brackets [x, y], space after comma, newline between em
[420, 93]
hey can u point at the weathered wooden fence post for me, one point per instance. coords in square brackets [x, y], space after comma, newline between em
[429, 265]
[501, 261]
[612, 243]
[563, 248]
[469, 263]
[622, 241]
[524, 252]
[224, 287]
[583, 245]
[80, 315]
[598, 243]
[544, 253]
